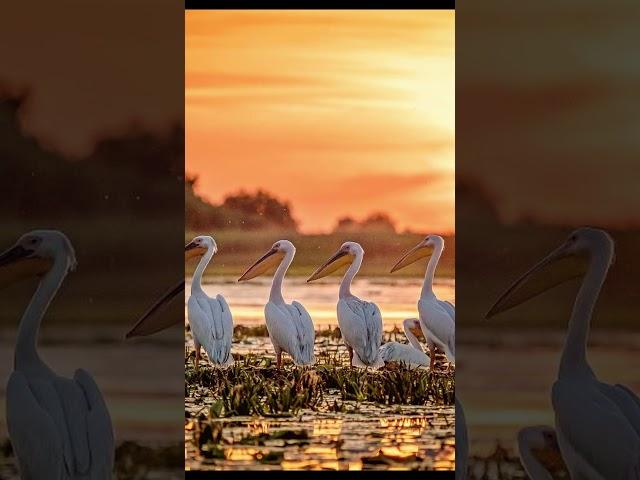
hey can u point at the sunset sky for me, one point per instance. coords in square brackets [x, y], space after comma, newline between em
[340, 112]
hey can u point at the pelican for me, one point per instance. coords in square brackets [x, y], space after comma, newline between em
[148, 324]
[210, 318]
[412, 354]
[60, 428]
[539, 452]
[597, 424]
[289, 324]
[437, 317]
[462, 443]
[360, 322]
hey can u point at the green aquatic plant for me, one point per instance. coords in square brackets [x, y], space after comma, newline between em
[391, 386]
[251, 388]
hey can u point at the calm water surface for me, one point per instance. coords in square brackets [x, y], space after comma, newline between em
[396, 297]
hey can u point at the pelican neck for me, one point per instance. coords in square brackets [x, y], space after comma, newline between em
[429, 275]
[196, 281]
[26, 352]
[275, 295]
[574, 354]
[345, 285]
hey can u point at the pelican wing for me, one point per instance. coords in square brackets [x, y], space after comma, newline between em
[403, 353]
[306, 331]
[291, 330]
[99, 427]
[212, 325]
[60, 428]
[35, 436]
[449, 308]
[627, 401]
[438, 326]
[361, 327]
[596, 439]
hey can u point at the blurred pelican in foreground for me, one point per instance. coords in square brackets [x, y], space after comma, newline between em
[210, 318]
[437, 317]
[60, 428]
[462, 444]
[597, 425]
[360, 322]
[289, 324]
[539, 452]
[412, 354]
[149, 323]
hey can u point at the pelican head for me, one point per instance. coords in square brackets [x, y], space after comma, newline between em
[424, 249]
[269, 261]
[198, 247]
[344, 256]
[34, 254]
[570, 260]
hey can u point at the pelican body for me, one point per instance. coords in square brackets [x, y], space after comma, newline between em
[289, 324]
[597, 424]
[437, 317]
[210, 318]
[360, 321]
[412, 354]
[60, 428]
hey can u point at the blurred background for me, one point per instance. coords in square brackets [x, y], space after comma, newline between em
[92, 144]
[546, 142]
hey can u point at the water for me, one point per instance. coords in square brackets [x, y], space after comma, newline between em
[364, 436]
[417, 438]
[396, 297]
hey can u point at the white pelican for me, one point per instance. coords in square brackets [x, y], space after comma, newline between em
[412, 354]
[289, 324]
[60, 428]
[360, 322]
[597, 425]
[437, 317]
[539, 452]
[210, 318]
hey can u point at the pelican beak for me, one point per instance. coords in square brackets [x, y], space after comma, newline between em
[421, 250]
[263, 265]
[149, 324]
[558, 267]
[17, 264]
[340, 259]
[193, 250]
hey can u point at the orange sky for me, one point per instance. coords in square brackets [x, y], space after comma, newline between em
[340, 112]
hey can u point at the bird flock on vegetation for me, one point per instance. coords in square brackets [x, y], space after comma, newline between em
[290, 326]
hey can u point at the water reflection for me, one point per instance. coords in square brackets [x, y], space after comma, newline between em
[396, 297]
[350, 442]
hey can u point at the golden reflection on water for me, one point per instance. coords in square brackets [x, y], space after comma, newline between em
[258, 427]
[445, 458]
[331, 427]
[240, 453]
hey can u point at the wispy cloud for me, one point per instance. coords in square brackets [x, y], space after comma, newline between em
[334, 110]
